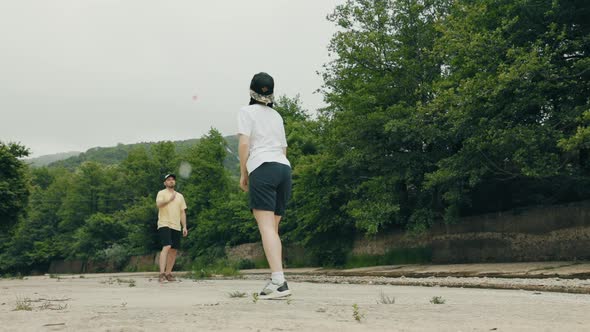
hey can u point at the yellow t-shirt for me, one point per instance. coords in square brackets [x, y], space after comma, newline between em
[169, 215]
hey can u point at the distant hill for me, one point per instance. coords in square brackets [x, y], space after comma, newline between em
[50, 158]
[116, 154]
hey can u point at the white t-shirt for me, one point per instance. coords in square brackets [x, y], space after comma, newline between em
[265, 127]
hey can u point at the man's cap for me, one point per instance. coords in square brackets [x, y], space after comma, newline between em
[169, 175]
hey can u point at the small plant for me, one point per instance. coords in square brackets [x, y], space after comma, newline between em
[384, 299]
[254, 297]
[82, 277]
[60, 307]
[197, 274]
[123, 304]
[45, 305]
[356, 313]
[437, 300]
[23, 304]
[289, 301]
[237, 294]
[131, 282]
[119, 281]
[50, 306]
[125, 281]
[53, 276]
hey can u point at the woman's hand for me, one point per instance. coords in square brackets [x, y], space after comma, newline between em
[244, 182]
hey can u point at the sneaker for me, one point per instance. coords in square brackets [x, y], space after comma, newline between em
[170, 277]
[274, 291]
[162, 278]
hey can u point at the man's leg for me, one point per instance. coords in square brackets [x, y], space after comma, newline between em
[171, 260]
[163, 258]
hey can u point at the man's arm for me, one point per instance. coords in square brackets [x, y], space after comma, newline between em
[160, 202]
[183, 222]
[244, 152]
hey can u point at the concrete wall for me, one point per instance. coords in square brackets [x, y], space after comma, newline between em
[560, 232]
[90, 266]
[292, 253]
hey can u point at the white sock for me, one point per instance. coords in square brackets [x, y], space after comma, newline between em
[277, 278]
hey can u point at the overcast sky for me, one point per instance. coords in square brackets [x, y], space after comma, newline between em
[76, 74]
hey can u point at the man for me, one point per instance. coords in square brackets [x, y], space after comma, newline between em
[171, 215]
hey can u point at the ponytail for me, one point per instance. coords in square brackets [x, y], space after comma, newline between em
[254, 101]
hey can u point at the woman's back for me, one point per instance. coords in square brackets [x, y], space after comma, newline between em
[265, 128]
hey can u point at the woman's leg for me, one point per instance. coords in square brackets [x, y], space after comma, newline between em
[277, 221]
[271, 242]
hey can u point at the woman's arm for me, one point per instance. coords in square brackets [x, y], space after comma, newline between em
[244, 152]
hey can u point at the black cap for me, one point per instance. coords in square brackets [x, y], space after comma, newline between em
[263, 84]
[169, 175]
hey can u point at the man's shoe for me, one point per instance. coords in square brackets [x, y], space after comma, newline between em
[170, 277]
[163, 278]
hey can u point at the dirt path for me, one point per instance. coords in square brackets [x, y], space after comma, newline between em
[108, 303]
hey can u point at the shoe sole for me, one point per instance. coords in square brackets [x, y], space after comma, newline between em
[275, 295]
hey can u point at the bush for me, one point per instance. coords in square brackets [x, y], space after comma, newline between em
[117, 254]
[244, 264]
[204, 269]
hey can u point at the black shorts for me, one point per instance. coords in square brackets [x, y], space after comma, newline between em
[270, 187]
[170, 237]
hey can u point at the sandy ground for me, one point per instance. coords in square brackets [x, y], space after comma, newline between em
[101, 303]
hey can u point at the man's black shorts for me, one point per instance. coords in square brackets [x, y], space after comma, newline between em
[170, 237]
[270, 187]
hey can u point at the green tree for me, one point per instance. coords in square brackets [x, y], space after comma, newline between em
[14, 184]
[33, 244]
[300, 129]
[165, 157]
[99, 232]
[382, 71]
[83, 197]
[141, 174]
[141, 221]
[509, 109]
[215, 207]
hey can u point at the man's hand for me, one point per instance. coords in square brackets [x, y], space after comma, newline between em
[184, 232]
[173, 197]
[244, 182]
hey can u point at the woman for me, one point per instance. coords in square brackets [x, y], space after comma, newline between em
[265, 174]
